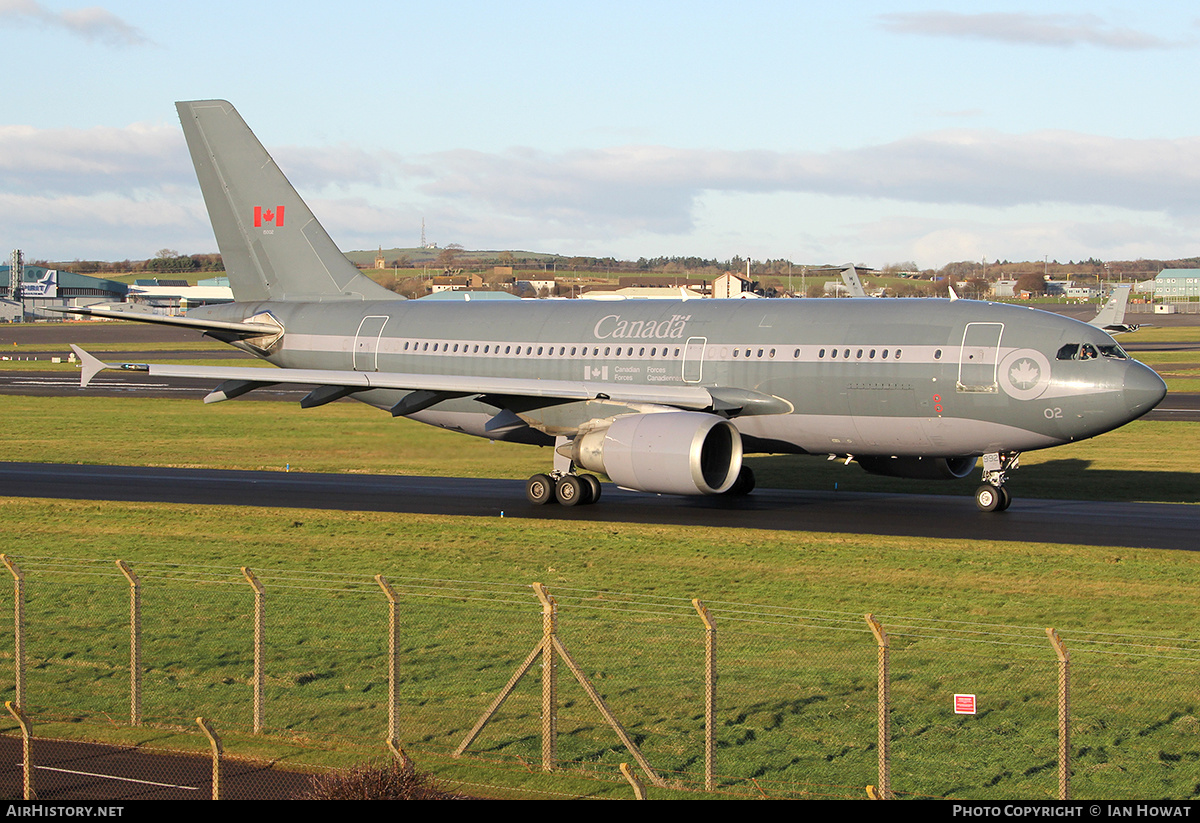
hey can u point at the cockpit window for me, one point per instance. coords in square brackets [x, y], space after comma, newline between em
[1088, 351]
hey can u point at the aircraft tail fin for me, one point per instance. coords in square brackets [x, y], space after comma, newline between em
[272, 245]
[1113, 312]
[850, 278]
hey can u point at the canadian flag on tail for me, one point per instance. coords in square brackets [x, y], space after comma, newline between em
[268, 216]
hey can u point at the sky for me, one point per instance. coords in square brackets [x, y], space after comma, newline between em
[867, 132]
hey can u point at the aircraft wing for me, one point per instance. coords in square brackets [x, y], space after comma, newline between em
[430, 389]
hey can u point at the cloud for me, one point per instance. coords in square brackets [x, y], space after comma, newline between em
[656, 187]
[123, 192]
[86, 161]
[1055, 30]
[93, 23]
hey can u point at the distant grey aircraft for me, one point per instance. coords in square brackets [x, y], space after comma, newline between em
[661, 396]
[1111, 316]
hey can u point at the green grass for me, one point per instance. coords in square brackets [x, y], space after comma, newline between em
[797, 670]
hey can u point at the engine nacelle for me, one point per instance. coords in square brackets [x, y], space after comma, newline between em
[664, 453]
[919, 468]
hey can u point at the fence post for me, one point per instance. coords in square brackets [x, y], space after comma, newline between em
[259, 632]
[135, 643]
[26, 746]
[18, 627]
[884, 700]
[1064, 715]
[710, 693]
[393, 661]
[549, 680]
[639, 789]
[217, 750]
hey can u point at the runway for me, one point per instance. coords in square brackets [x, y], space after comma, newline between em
[1145, 525]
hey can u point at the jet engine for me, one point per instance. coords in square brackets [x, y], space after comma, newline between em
[664, 453]
[919, 468]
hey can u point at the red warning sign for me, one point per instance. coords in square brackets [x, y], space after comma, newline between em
[964, 704]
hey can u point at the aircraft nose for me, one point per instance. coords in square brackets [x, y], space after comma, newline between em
[1144, 389]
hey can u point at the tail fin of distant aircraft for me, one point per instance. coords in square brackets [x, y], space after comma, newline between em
[1111, 317]
[272, 245]
[850, 278]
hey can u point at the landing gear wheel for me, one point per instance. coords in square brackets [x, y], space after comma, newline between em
[988, 497]
[539, 490]
[593, 484]
[1005, 499]
[571, 491]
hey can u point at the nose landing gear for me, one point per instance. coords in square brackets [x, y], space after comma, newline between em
[992, 496]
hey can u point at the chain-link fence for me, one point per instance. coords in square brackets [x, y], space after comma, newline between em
[694, 695]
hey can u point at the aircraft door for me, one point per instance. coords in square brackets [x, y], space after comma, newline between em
[979, 356]
[693, 359]
[366, 343]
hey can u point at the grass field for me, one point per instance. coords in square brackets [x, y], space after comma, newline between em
[797, 669]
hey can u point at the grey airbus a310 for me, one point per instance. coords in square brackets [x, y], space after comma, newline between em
[661, 396]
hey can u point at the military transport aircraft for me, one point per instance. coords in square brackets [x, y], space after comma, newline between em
[661, 396]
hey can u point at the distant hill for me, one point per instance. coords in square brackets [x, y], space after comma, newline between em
[464, 257]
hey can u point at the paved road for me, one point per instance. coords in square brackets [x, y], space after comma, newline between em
[94, 773]
[1158, 526]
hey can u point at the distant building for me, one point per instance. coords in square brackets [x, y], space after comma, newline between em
[1177, 285]
[1004, 288]
[43, 288]
[730, 285]
[461, 282]
[173, 295]
[538, 285]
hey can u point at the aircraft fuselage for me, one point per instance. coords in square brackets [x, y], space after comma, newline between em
[897, 377]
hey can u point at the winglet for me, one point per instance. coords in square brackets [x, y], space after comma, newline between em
[91, 366]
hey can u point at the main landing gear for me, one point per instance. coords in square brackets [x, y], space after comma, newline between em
[566, 489]
[992, 496]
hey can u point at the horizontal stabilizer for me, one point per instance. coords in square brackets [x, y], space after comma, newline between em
[166, 320]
